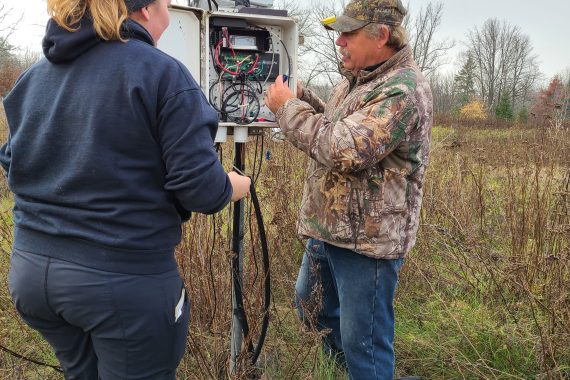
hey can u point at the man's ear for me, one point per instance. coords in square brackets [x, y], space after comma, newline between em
[383, 36]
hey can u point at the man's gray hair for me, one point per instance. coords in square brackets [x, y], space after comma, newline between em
[398, 35]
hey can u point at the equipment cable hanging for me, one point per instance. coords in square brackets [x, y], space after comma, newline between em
[239, 102]
[273, 34]
[254, 351]
[235, 95]
[20, 356]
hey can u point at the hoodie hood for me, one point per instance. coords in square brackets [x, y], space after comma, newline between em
[61, 46]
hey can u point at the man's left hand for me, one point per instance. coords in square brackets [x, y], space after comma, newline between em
[277, 94]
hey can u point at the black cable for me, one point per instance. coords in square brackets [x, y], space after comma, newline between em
[253, 253]
[255, 158]
[241, 92]
[255, 173]
[267, 273]
[235, 101]
[211, 323]
[256, 177]
[282, 44]
[288, 57]
[233, 98]
[239, 311]
[211, 96]
[259, 85]
[20, 356]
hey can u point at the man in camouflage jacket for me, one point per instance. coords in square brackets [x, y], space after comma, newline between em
[369, 146]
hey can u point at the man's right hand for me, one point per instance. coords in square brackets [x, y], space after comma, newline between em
[240, 185]
[277, 95]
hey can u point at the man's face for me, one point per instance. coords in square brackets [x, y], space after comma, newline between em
[159, 18]
[358, 51]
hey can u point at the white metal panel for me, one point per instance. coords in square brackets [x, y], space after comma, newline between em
[187, 39]
[182, 40]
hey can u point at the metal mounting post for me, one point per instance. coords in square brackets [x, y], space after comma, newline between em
[237, 267]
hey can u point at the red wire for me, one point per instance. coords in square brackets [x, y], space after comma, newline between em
[219, 63]
[238, 64]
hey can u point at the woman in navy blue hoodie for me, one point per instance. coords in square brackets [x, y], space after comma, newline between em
[110, 150]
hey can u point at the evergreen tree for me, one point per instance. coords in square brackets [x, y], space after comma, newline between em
[504, 109]
[522, 116]
[464, 84]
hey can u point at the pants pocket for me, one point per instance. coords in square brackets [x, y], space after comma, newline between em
[151, 339]
[178, 309]
[181, 331]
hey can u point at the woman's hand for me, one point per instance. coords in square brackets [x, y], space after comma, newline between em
[240, 185]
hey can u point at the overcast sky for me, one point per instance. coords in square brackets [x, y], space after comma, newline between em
[546, 22]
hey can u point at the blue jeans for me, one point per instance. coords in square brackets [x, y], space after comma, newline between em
[351, 296]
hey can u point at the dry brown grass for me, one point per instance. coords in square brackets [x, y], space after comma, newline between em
[3, 124]
[495, 235]
[484, 294]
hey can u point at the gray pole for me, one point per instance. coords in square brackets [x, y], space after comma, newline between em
[237, 266]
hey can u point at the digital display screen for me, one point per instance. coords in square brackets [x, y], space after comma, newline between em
[238, 41]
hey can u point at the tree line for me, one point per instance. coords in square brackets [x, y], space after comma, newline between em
[12, 61]
[499, 76]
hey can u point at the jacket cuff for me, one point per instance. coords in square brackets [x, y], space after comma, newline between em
[281, 111]
[307, 95]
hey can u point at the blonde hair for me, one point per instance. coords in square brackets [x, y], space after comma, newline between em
[107, 15]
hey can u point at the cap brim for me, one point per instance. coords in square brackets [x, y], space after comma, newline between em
[346, 24]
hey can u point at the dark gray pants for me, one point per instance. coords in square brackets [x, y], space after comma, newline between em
[103, 325]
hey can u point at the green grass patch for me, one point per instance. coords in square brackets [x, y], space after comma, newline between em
[443, 338]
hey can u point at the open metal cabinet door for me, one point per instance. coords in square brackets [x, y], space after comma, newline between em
[182, 39]
[235, 57]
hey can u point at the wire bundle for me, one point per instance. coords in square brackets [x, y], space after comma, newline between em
[238, 102]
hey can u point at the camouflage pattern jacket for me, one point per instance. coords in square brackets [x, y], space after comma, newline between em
[369, 147]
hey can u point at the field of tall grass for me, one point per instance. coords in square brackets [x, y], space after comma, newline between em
[485, 294]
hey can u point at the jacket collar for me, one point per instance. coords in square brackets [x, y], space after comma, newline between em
[373, 72]
[133, 30]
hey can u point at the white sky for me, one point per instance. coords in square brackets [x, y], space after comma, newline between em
[546, 22]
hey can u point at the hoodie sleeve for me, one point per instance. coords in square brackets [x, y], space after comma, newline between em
[186, 130]
[6, 156]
